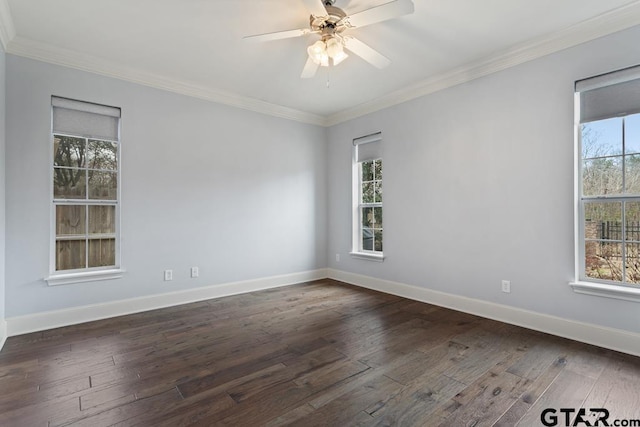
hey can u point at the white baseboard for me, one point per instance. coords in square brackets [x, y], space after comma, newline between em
[54, 319]
[3, 333]
[614, 339]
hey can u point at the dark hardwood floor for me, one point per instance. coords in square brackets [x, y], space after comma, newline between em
[317, 354]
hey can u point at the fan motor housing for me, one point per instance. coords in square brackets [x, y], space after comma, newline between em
[333, 22]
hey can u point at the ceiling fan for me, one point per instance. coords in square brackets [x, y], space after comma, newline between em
[331, 23]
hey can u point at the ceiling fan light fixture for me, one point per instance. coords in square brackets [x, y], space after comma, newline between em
[318, 53]
[323, 50]
[334, 47]
[335, 50]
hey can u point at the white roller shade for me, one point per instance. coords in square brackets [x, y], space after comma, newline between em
[85, 119]
[368, 147]
[609, 95]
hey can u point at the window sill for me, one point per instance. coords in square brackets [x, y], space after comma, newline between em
[367, 256]
[607, 291]
[85, 276]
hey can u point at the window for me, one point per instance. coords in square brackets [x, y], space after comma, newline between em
[85, 188]
[609, 178]
[367, 195]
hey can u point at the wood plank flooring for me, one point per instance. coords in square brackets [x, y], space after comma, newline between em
[316, 354]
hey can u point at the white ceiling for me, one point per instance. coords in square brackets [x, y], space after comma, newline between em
[196, 46]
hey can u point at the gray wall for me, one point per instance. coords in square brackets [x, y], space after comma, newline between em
[478, 186]
[2, 181]
[238, 194]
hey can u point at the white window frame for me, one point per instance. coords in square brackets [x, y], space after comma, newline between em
[88, 274]
[357, 250]
[583, 284]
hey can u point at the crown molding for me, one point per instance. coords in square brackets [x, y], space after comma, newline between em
[67, 58]
[7, 29]
[608, 23]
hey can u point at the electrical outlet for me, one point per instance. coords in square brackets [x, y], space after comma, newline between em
[506, 286]
[168, 275]
[337, 257]
[194, 272]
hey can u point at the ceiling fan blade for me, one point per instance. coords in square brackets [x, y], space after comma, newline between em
[370, 55]
[381, 13]
[277, 35]
[316, 7]
[309, 70]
